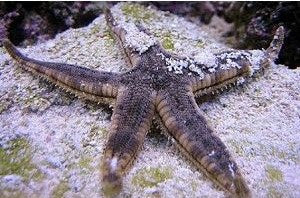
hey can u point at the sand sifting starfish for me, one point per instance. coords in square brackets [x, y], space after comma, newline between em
[164, 86]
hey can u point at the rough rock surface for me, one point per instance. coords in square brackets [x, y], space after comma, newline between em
[51, 142]
[255, 23]
[202, 11]
[33, 22]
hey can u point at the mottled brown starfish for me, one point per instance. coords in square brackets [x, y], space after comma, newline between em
[149, 89]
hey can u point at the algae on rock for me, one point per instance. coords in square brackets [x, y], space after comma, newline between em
[60, 189]
[138, 12]
[150, 177]
[17, 159]
[167, 42]
[274, 174]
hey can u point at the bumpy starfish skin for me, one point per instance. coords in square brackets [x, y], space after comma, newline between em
[149, 89]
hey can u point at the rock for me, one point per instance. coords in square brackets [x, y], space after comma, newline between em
[258, 122]
[28, 23]
[202, 10]
[255, 23]
[11, 182]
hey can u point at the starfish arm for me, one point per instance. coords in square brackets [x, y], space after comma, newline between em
[219, 79]
[82, 81]
[274, 49]
[119, 33]
[182, 119]
[131, 120]
[233, 64]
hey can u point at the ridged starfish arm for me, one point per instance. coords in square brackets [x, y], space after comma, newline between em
[242, 65]
[219, 79]
[183, 120]
[276, 44]
[84, 82]
[131, 56]
[131, 121]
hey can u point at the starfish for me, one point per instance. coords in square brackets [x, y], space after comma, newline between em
[163, 86]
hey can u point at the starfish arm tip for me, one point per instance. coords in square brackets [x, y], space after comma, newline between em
[111, 185]
[276, 44]
[241, 188]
